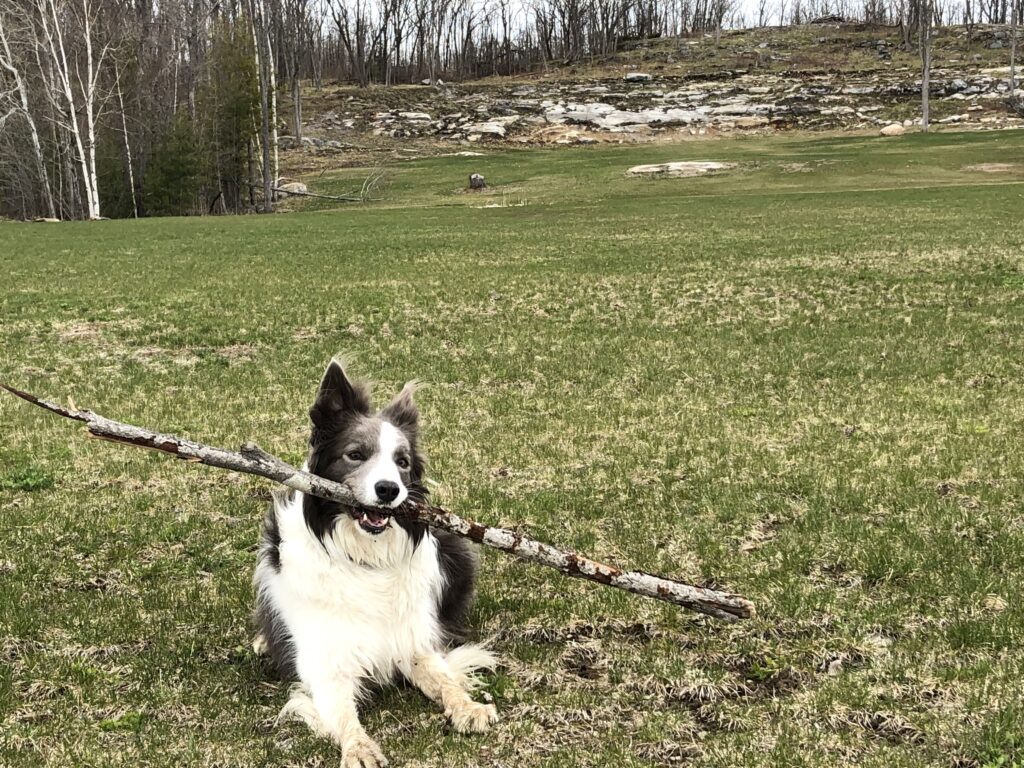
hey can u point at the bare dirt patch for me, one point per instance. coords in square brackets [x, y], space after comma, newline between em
[992, 167]
[78, 332]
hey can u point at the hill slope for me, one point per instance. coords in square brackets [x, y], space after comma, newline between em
[820, 77]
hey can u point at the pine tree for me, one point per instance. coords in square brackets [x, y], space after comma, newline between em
[231, 103]
[175, 171]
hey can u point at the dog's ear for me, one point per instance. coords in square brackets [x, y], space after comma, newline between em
[337, 398]
[402, 411]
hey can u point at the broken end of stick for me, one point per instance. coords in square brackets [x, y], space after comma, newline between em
[19, 393]
[71, 413]
[744, 608]
[729, 613]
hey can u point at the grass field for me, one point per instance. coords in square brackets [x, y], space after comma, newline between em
[800, 380]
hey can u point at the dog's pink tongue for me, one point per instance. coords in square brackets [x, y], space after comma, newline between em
[376, 518]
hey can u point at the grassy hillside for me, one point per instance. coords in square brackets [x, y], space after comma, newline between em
[799, 379]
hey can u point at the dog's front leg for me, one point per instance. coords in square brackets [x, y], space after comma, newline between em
[335, 701]
[430, 673]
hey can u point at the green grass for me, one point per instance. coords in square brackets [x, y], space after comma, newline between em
[802, 384]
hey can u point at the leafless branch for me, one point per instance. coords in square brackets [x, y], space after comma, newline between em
[253, 460]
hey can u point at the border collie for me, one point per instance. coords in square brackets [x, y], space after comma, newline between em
[348, 598]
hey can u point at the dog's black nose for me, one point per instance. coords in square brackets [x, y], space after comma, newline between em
[386, 490]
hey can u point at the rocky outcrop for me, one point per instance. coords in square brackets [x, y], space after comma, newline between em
[642, 104]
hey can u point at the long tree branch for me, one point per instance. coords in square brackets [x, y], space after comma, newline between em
[253, 460]
[286, 192]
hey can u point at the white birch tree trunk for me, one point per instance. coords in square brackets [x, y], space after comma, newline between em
[56, 50]
[925, 26]
[263, 67]
[1014, 21]
[89, 97]
[37, 146]
[272, 74]
[127, 144]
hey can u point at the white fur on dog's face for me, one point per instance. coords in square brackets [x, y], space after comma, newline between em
[378, 463]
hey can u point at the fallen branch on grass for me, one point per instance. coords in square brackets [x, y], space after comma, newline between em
[289, 192]
[253, 460]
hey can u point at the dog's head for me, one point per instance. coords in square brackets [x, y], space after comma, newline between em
[375, 454]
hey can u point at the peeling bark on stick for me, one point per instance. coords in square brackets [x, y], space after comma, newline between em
[253, 460]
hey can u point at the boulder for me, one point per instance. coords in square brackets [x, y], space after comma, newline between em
[680, 117]
[583, 113]
[751, 121]
[679, 169]
[619, 118]
[292, 188]
[476, 181]
[894, 129]
[478, 131]
[637, 77]
[494, 129]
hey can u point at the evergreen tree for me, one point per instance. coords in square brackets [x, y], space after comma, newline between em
[175, 171]
[230, 102]
[115, 195]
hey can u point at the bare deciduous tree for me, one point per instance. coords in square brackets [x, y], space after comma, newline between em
[21, 108]
[924, 18]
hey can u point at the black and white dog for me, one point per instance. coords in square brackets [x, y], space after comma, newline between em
[347, 598]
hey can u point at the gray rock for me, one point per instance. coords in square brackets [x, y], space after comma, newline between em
[680, 169]
[476, 181]
[495, 129]
[637, 77]
[585, 113]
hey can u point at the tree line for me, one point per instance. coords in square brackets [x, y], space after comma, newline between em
[120, 108]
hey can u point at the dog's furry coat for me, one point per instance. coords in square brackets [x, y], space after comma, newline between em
[347, 597]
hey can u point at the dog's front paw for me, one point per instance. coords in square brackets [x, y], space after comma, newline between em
[260, 646]
[472, 717]
[362, 752]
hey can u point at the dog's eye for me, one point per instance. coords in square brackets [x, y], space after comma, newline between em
[403, 463]
[355, 456]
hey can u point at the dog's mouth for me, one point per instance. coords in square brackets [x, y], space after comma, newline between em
[371, 520]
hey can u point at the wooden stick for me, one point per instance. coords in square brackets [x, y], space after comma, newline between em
[253, 460]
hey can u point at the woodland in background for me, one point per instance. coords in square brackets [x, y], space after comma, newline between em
[120, 109]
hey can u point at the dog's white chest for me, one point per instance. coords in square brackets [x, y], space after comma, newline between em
[359, 619]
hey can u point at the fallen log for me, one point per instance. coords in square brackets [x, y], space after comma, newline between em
[253, 460]
[290, 192]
